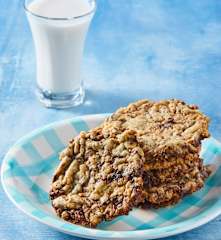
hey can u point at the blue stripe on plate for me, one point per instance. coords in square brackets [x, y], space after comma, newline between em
[39, 214]
[53, 140]
[80, 125]
[39, 193]
[31, 152]
[34, 169]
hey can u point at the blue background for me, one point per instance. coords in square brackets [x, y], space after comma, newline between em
[135, 49]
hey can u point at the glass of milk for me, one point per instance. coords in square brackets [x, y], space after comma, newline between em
[59, 28]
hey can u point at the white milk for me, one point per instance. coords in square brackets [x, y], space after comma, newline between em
[59, 43]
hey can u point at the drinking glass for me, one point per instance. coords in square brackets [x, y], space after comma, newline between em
[59, 44]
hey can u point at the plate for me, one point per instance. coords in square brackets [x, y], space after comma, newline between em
[28, 167]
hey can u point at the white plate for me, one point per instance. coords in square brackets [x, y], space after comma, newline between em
[28, 167]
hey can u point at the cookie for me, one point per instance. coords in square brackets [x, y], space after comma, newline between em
[164, 129]
[170, 163]
[167, 186]
[170, 134]
[187, 170]
[98, 178]
[173, 191]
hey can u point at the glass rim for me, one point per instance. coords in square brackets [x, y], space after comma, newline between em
[60, 18]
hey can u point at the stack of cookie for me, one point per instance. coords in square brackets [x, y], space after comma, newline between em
[170, 134]
[145, 154]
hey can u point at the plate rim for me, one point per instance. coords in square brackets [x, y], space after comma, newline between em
[152, 233]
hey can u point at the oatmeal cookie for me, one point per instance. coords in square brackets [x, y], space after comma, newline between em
[184, 170]
[171, 162]
[170, 191]
[170, 194]
[98, 177]
[167, 186]
[165, 129]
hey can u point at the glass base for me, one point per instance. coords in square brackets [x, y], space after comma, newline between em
[61, 100]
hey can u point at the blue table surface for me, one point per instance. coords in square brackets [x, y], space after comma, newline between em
[135, 49]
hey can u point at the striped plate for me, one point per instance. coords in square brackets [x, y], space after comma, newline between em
[28, 167]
